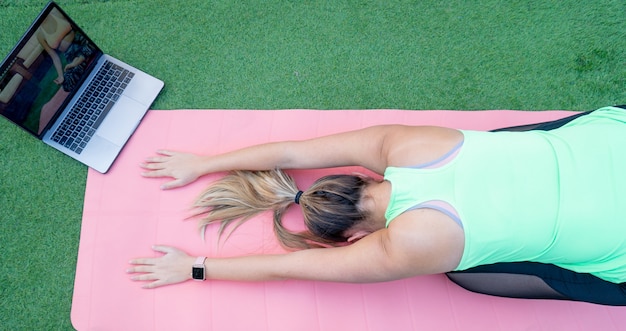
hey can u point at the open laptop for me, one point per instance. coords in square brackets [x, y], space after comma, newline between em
[59, 86]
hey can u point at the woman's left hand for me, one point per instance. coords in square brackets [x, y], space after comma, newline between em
[171, 268]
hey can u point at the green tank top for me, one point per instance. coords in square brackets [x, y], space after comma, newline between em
[554, 196]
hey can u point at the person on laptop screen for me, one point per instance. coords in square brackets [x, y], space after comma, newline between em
[47, 68]
[76, 50]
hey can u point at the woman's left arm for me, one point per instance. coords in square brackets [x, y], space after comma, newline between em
[406, 249]
[364, 261]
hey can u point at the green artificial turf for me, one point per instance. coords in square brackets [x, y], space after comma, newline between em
[462, 55]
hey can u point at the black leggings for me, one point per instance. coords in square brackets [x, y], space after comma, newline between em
[531, 280]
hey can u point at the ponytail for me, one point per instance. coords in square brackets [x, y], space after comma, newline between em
[329, 207]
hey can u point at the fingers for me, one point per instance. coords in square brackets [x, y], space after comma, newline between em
[151, 285]
[162, 156]
[173, 184]
[166, 152]
[161, 173]
[178, 166]
[154, 163]
[156, 171]
[162, 270]
[147, 277]
[164, 249]
[142, 273]
[151, 164]
[143, 261]
[153, 173]
[157, 168]
[149, 260]
[158, 159]
[145, 269]
[155, 284]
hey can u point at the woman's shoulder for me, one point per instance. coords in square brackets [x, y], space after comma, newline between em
[407, 146]
[430, 238]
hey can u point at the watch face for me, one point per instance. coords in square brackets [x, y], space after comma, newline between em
[197, 273]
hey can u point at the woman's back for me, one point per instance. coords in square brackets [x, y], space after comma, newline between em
[533, 196]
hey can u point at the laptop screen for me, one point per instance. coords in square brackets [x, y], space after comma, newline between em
[42, 71]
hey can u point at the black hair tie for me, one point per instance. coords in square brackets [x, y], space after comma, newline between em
[297, 199]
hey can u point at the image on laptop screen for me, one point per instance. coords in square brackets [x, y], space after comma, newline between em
[42, 71]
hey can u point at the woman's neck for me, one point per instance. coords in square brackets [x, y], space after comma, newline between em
[378, 194]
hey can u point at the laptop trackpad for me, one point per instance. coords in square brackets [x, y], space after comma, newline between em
[121, 121]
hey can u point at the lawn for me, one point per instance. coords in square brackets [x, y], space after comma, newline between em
[460, 55]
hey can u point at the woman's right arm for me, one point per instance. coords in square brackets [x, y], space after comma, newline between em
[355, 148]
[372, 148]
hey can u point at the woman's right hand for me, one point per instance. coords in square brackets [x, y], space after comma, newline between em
[183, 167]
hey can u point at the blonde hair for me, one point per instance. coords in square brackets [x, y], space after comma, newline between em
[330, 206]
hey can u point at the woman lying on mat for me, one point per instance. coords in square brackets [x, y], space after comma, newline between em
[475, 205]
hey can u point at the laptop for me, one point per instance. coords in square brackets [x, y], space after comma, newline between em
[58, 85]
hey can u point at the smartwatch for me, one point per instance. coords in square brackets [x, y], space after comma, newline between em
[197, 270]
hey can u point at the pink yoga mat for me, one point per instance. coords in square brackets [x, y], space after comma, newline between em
[125, 214]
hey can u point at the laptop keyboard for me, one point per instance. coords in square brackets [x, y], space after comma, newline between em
[87, 114]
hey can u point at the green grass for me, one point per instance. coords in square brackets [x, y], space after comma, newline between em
[491, 54]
